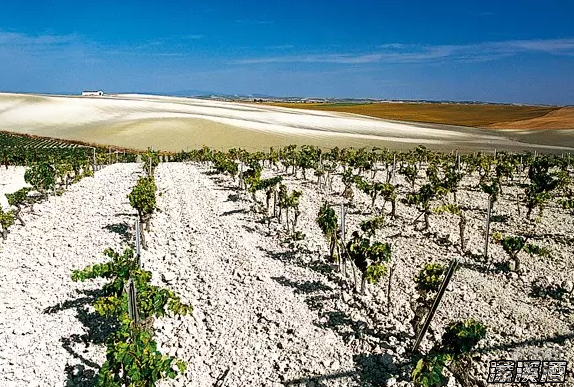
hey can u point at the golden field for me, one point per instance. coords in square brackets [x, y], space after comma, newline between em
[449, 114]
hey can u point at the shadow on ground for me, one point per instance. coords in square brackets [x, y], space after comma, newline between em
[374, 364]
[83, 373]
[122, 229]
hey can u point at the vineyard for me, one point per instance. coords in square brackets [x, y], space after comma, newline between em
[290, 267]
[24, 150]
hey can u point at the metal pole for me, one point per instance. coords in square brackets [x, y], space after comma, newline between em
[138, 242]
[132, 302]
[343, 239]
[487, 227]
[443, 286]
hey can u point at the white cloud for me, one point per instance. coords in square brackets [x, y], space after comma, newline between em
[414, 53]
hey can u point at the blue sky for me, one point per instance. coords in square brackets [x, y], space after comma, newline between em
[497, 51]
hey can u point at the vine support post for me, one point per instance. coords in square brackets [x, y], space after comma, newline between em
[443, 286]
[132, 302]
[138, 242]
[240, 174]
[344, 260]
[394, 167]
[391, 270]
[487, 228]
[275, 204]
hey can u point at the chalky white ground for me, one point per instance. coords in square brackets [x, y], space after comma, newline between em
[65, 233]
[268, 313]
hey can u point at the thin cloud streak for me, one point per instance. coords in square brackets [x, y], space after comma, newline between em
[414, 53]
[254, 22]
[15, 39]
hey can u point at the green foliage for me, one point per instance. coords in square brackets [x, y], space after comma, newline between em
[369, 227]
[291, 200]
[306, 158]
[6, 221]
[267, 184]
[460, 337]
[119, 269]
[372, 189]
[449, 209]
[150, 157]
[513, 244]
[224, 165]
[410, 173]
[568, 204]
[429, 371]
[349, 178]
[375, 272]
[132, 360]
[536, 250]
[298, 236]
[142, 197]
[252, 176]
[132, 355]
[458, 340]
[542, 182]
[364, 255]
[429, 278]
[19, 197]
[41, 176]
[492, 188]
[327, 220]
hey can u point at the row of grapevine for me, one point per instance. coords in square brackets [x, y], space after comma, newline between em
[132, 357]
[24, 150]
[49, 171]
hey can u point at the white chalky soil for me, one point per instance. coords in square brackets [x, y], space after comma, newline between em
[40, 307]
[245, 320]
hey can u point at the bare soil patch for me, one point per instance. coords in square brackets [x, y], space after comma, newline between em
[557, 119]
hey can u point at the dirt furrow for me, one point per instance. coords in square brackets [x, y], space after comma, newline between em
[248, 326]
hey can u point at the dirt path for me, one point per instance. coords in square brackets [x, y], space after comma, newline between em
[250, 316]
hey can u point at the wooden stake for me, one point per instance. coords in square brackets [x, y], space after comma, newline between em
[391, 270]
[394, 167]
[443, 286]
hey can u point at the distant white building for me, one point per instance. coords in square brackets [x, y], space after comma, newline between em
[96, 93]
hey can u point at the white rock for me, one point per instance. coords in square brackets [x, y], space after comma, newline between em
[568, 286]
[168, 277]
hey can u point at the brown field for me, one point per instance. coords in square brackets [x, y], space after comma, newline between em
[450, 114]
[557, 119]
